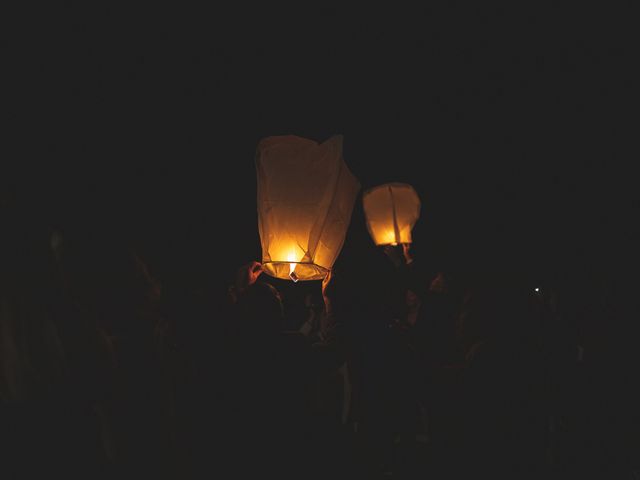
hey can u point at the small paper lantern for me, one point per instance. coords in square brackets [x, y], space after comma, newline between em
[306, 195]
[391, 211]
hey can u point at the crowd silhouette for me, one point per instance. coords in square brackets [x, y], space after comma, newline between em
[391, 370]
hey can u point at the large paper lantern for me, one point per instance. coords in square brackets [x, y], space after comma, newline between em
[306, 195]
[391, 211]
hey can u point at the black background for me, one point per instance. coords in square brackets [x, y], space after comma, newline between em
[515, 125]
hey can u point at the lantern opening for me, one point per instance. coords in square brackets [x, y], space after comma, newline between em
[301, 270]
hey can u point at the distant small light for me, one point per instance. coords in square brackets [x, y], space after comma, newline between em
[537, 289]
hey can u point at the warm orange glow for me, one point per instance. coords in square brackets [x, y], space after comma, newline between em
[305, 199]
[288, 260]
[391, 211]
[292, 266]
[292, 258]
[388, 237]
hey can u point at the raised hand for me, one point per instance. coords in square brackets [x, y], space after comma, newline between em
[247, 275]
[326, 290]
[406, 252]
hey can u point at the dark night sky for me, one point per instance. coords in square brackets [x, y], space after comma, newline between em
[515, 126]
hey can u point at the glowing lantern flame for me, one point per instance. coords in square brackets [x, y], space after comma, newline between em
[291, 257]
[389, 238]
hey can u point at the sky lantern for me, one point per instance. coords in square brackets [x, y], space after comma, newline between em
[306, 195]
[391, 211]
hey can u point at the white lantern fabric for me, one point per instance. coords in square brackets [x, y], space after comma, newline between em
[391, 211]
[306, 196]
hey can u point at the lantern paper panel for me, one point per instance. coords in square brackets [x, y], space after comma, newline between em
[391, 211]
[306, 195]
